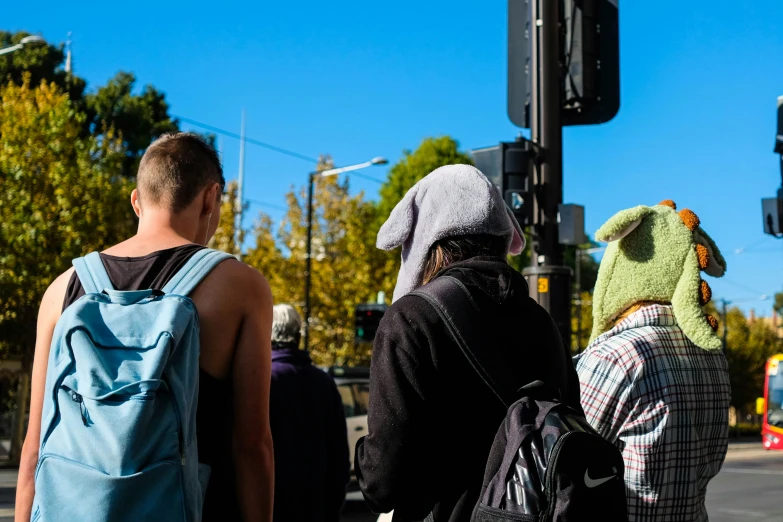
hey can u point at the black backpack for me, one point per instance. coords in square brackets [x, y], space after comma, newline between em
[547, 463]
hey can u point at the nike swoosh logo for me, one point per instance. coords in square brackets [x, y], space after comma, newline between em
[594, 483]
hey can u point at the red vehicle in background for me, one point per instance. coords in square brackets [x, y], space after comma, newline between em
[771, 405]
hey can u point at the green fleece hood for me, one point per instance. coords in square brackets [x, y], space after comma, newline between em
[656, 254]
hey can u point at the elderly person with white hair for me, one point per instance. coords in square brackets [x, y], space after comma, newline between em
[312, 463]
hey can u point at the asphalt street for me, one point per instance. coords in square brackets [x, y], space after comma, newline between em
[749, 488]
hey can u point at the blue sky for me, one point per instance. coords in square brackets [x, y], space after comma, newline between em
[699, 84]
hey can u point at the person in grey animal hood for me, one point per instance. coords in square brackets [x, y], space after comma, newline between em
[432, 420]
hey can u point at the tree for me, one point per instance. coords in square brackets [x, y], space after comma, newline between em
[44, 62]
[431, 154]
[581, 321]
[748, 346]
[61, 198]
[778, 306]
[137, 119]
[225, 237]
[344, 267]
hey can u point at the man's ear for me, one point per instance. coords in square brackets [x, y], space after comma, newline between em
[622, 224]
[135, 203]
[212, 199]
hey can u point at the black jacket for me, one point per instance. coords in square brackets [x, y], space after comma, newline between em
[432, 420]
[312, 464]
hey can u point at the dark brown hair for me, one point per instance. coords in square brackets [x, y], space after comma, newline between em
[458, 248]
[175, 168]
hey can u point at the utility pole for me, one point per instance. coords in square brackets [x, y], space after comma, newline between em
[240, 203]
[549, 281]
[308, 258]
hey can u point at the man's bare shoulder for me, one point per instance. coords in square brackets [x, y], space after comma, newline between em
[54, 297]
[234, 278]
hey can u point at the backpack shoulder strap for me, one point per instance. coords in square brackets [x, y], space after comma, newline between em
[196, 269]
[455, 306]
[92, 274]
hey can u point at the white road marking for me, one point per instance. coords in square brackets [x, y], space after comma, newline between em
[742, 513]
[752, 471]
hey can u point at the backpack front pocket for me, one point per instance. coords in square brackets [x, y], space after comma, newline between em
[67, 490]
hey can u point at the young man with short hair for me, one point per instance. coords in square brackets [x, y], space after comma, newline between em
[177, 200]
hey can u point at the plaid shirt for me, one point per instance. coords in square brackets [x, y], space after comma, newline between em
[664, 402]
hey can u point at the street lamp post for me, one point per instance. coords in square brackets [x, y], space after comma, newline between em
[24, 41]
[308, 259]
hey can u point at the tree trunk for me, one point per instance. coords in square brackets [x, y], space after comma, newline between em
[19, 426]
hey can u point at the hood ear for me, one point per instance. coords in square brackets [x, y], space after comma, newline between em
[517, 237]
[399, 226]
[622, 224]
[716, 264]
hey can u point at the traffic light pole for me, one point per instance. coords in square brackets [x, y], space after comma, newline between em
[550, 282]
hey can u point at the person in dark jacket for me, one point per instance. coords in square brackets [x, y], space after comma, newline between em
[432, 420]
[312, 462]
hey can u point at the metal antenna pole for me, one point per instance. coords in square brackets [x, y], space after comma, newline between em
[240, 206]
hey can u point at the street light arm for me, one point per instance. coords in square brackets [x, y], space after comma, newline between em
[340, 170]
[11, 49]
[32, 39]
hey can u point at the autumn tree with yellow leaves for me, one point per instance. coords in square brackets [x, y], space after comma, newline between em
[225, 237]
[344, 265]
[62, 197]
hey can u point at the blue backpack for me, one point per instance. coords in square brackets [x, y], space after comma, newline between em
[118, 430]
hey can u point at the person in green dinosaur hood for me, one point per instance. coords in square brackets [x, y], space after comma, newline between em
[653, 379]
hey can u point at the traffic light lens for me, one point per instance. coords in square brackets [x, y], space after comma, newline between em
[517, 201]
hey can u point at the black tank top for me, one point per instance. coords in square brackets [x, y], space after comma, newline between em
[214, 416]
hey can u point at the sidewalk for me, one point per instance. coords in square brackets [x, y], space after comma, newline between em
[7, 494]
[745, 444]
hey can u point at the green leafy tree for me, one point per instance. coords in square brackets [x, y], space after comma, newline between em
[778, 306]
[225, 237]
[343, 270]
[748, 346]
[43, 62]
[136, 119]
[431, 154]
[581, 321]
[61, 198]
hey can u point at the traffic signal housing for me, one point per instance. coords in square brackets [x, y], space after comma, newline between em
[509, 166]
[590, 60]
[367, 317]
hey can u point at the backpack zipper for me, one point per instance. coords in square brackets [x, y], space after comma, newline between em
[180, 436]
[120, 397]
[550, 474]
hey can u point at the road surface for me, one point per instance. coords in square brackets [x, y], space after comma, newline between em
[749, 488]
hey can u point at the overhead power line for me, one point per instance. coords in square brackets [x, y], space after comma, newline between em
[252, 141]
[265, 145]
[264, 204]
